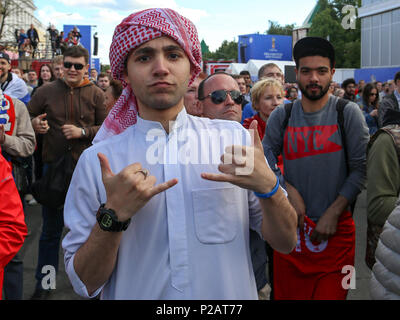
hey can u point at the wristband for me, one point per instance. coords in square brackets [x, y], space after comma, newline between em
[269, 194]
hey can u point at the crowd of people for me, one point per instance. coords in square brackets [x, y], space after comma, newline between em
[28, 41]
[151, 215]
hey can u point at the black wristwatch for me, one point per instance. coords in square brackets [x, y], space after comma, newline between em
[108, 220]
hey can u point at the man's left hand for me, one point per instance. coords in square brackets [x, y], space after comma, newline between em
[71, 132]
[326, 226]
[245, 166]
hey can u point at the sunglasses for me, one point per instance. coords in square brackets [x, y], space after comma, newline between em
[220, 96]
[373, 94]
[77, 66]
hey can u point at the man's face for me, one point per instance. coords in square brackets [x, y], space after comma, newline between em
[58, 70]
[190, 98]
[93, 74]
[226, 110]
[242, 85]
[72, 76]
[5, 67]
[17, 72]
[391, 87]
[247, 79]
[379, 86]
[314, 76]
[158, 72]
[386, 87]
[32, 76]
[103, 83]
[350, 89]
[293, 93]
[273, 72]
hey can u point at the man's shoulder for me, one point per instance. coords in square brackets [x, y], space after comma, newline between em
[93, 90]
[118, 141]
[18, 104]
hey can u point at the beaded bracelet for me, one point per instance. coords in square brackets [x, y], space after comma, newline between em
[269, 194]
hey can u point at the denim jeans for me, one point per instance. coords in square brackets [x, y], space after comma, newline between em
[49, 242]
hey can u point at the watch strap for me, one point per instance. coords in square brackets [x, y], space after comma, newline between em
[108, 220]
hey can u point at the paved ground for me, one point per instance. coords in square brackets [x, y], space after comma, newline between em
[64, 290]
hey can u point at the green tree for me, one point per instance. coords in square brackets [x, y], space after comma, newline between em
[277, 29]
[227, 51]
[328, 23]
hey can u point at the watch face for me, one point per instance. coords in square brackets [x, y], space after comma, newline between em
[106, 221]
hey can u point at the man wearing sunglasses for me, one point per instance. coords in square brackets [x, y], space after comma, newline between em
[220, 98]
[224, 102]
[68, 113]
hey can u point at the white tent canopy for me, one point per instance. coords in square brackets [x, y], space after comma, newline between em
[343, 74]
[235, 68]
[254, 65]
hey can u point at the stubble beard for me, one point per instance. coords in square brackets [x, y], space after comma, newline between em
[314, 97]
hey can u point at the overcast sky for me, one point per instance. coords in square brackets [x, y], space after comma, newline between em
[216, 20]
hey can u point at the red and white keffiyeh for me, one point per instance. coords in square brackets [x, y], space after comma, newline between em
[131, 33]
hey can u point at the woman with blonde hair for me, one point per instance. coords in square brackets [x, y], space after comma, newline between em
[266, 95]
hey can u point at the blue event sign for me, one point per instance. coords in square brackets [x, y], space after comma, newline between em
[264, 47]
[85, 40]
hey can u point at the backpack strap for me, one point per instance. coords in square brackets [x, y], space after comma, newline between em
[340, 105]
[288, 111]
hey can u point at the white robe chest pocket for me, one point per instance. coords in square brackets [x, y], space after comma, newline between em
[215, 214]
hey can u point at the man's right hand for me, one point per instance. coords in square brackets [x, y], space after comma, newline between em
[128, 191]
[40, 124]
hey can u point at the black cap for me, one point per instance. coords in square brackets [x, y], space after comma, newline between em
[4, 55]
[313, 46]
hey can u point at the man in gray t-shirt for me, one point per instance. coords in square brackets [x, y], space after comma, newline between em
[318, 184]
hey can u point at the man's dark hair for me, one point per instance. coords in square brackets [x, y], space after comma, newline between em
[103, 75]
[397, 76]
[347, 82]
[313, 46]
[200, 90]
[77, 52]
[244, 73]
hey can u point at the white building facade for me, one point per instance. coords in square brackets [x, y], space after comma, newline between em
[21, 16]
[380, 33]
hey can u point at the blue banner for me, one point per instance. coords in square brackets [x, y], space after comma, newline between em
[84, 39]
[95, 64]
[264, 47]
